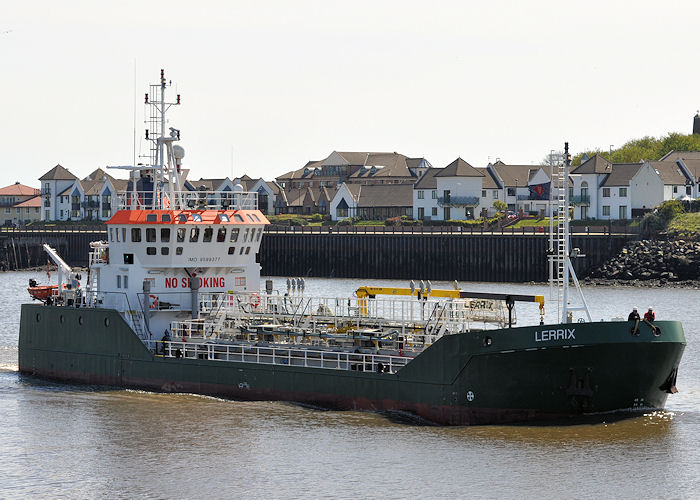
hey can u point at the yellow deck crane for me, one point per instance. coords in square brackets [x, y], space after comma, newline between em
[365, 292]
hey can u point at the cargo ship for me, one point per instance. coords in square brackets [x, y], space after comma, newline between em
[172, 302]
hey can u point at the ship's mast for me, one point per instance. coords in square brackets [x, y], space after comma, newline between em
[163, 158]
[561, 268]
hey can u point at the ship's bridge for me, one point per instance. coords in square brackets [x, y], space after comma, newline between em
[185, 238]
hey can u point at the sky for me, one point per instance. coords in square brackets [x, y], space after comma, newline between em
[267, 86]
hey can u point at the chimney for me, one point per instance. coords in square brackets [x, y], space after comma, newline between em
[696, 124]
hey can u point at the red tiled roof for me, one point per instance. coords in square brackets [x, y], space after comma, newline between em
[18, 189]
[34, 202]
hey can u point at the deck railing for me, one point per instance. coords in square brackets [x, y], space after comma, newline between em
[187, 200]
[286, 356]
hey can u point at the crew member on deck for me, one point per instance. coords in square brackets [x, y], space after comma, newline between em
[634, 315]
[649, 315]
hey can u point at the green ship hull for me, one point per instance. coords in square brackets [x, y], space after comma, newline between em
[527, 374]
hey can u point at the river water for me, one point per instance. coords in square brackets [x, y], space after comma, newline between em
[61, 440]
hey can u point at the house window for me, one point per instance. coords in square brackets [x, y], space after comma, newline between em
[434, 212]
[606, 210]
[421, 195]
[675, 189]
[435, 195]
[511, 191]
[483, 193]
[623, 193]
[623, 212]
[606, 194]
[421, 213]
[494, 194]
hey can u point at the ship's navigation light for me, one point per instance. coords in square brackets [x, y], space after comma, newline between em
[146, 133]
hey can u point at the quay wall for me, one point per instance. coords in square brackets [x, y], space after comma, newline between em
[434, 256]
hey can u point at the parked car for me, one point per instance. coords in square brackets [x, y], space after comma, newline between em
[512, 215]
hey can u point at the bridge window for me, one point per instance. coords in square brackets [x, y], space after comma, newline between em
[124, 234]
[231, 250]
[151, 234]
[150, 250]
[245, 235]
[260, 231]
[221, 235]
[257, 219]
[182, 218]
[165, 218]
[241, 252]
[151, 217]
[234, 234]
[223, 218]
[111, 236]
[135, 234]
[181, 231]
[194, 235]
[237, 218]
[247, 250]
[208, 233]
[196, 217]
[164, 250]
[178, 251]
[250, 218]
[165, 234]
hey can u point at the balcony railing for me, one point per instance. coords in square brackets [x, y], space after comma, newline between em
[458, 201]
[90, 204]
[580, 199]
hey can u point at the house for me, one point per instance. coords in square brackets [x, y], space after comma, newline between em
[459, 187]
[357, 167]
[425, 196]
[522, 187]
[19, 204]
[373, 201]
[586, 179]
[53, 182]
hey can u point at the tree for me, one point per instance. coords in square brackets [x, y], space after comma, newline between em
[500, 206]
[645, 148]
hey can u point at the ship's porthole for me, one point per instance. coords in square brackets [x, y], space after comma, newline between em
[80, 320]
[38, 317]
[106, 321]
[60, 318]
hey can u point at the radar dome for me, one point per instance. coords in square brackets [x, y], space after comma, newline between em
[238, 187]
[178, 152]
